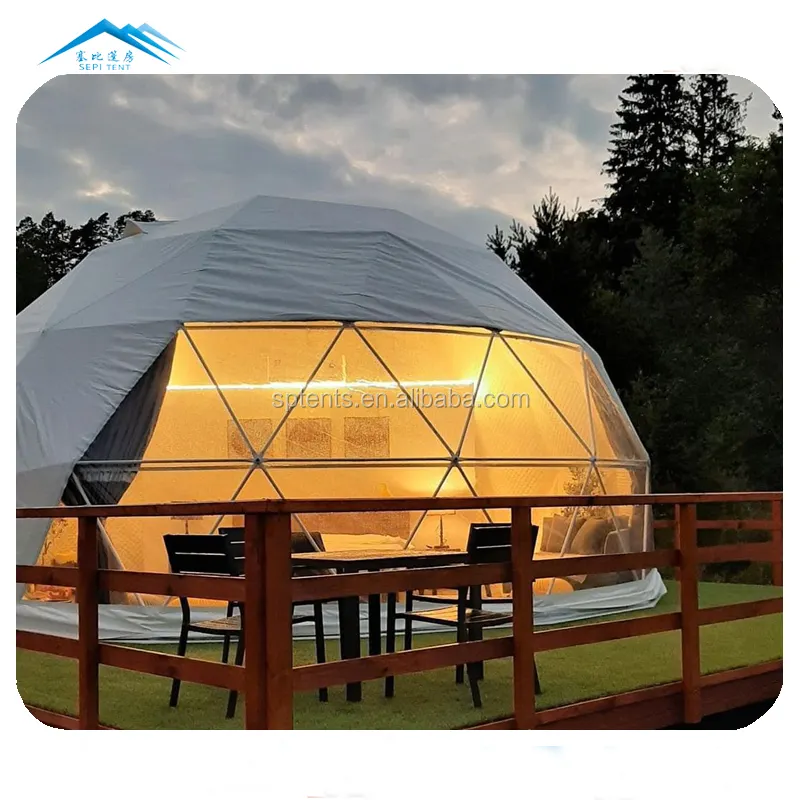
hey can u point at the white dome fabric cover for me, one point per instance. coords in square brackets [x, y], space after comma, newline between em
[84, 344]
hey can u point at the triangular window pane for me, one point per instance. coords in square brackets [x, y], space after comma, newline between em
[514, 420]
[439, 369]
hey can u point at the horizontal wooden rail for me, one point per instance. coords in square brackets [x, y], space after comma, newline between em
[47, 576]
[47, 643]
[374, 667]
[320, 587]
[341, 506]
[210, 673]
[207, 587]
[360, 584]
[737, 524]
[753, 608]
[332, 586]
[605, 631]
[744, 551]
[313, 676]
[597, 565]
[728, 525]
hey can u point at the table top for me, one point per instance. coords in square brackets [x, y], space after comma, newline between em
[378, 559]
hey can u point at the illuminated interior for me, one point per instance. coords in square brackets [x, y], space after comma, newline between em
[379, 411]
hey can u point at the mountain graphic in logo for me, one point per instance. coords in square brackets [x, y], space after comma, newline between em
[142, 38]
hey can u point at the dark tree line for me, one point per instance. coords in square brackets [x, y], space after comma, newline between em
[48, 250]
[676, 279]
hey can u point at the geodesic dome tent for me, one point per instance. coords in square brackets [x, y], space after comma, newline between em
[284, 348]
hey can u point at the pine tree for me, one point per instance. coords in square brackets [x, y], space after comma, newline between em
[499, 244]
[48, 250]
[778, 117]
[648, 152]
[91, 235]
[716, 120]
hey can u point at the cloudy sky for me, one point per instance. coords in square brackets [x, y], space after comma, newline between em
[462, 152]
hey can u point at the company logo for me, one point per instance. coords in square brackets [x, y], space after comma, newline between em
[135, 40]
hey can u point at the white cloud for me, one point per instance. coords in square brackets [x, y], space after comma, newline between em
[464, 152]
[103, 189]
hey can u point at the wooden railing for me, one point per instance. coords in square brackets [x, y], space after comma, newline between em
[269, 679]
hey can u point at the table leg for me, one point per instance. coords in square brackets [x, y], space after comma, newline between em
[350, 638]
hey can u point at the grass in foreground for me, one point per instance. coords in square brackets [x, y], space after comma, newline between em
[429, 700]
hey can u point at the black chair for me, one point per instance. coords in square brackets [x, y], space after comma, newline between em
[488, 543]
[234, 547]
[201, 554]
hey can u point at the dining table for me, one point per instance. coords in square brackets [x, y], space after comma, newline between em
[351, 561]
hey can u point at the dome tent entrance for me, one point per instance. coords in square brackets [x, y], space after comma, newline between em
[282, 348]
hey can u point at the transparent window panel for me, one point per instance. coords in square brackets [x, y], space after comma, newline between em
[254, 485]
[633, 523]
[60, 549]
[374, 530]
[139, 540]
[193, 422]
[196, 426]
[314, 480]
[522, 478]
[258, 370]
[514, 419]
[527, 480]
[359, 531]
[449, 529]
[613, 437]
[359, 388]
[439, 370]
[530, 434]
[558, 371]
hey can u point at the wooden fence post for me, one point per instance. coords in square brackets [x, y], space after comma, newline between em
[278, 600]
[88, 641]
[777, 542]
[686, 536]
[522, 599]
[255, 621]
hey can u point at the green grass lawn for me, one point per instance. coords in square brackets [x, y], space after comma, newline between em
[429, 700]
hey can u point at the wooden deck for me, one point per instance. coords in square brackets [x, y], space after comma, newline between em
[268, 679]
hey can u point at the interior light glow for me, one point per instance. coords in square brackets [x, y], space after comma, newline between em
[288, 386]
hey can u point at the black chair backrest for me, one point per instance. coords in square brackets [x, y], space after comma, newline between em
[233, 540]
[198, 553]
[234, 547]
[490, 543]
